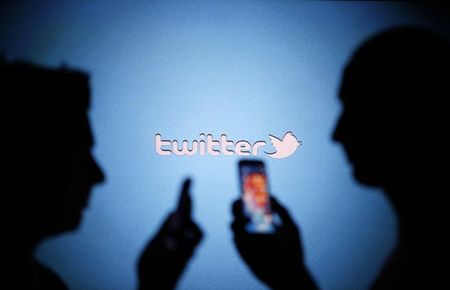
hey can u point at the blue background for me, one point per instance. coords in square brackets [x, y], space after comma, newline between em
[243, 68]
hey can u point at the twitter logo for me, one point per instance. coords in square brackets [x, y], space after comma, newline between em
[285, 147]
[207, 145]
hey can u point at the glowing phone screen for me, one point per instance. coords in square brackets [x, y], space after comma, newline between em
[256, 197]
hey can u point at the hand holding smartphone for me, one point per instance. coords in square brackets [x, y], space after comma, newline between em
[168, 253]
[265, 235]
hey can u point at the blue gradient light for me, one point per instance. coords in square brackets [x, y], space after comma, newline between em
[243, 68]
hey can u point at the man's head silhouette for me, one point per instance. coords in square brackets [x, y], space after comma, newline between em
[394, 92]
[393, 128]
[51, 171]
[50, 166]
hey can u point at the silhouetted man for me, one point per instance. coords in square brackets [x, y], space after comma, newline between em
[50, 172]
[393, 127]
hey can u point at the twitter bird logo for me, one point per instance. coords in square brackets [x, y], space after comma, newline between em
[284, 148]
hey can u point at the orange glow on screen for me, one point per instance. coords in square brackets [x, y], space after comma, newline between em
[255, 187]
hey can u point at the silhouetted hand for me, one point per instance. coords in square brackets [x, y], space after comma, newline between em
[276, 259]
[166, 256]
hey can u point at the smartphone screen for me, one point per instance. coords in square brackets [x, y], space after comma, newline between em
[255, 196]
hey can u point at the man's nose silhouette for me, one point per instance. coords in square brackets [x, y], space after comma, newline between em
[338, 131]
[96, 173]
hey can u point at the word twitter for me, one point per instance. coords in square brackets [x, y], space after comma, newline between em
[207, 145]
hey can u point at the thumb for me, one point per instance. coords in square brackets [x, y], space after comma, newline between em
[282, 212]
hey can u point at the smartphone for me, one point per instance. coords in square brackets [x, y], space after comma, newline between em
[255, 196]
